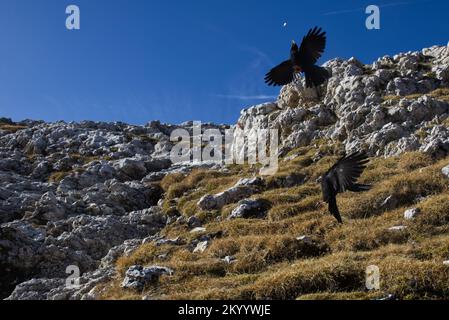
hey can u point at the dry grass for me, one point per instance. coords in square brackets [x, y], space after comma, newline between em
[446, 122]
[177, 185]
[12, 128]
[84, 159]
[271, 263]
[391, 98]
[439, 94]
[58, 176]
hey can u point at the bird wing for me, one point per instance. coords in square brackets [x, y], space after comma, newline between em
[312, 46]
[344, 174]
[280, 75]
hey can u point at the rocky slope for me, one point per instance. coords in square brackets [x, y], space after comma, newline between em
[87, 194]
[395, 105]
[71, 192]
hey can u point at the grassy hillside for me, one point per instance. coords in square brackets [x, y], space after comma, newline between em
[272, 263]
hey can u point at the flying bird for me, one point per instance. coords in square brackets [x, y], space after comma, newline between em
[302, 60]
[342, 177]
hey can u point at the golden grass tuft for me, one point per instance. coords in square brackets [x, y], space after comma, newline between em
[12, 128]
[446, 121]
[58, 176]
[441, 94]
[176, 185]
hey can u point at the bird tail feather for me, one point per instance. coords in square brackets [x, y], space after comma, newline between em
[358, 187]
[333, 208]
[316, 76]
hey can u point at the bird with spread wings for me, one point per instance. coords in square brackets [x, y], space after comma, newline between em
[302, 60]
[343, 177]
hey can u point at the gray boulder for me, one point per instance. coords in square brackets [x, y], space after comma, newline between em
[137, 277]
[249, 208]
[242, 189]
[411, 213]
[445, 171]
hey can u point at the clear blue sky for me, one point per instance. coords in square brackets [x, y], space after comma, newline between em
[139, 60]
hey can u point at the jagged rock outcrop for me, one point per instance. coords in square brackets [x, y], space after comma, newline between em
[395, 105]
[57, 288]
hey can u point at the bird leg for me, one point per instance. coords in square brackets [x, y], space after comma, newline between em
[296, 78]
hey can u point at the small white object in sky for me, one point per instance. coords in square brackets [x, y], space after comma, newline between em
[285, 24]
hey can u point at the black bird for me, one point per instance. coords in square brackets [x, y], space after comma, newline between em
[302, 60]
[342, 177]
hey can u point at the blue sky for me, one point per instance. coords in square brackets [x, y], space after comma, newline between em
[140, 60]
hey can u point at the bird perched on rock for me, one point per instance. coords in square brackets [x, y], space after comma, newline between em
[302, 60]
[342, 177]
